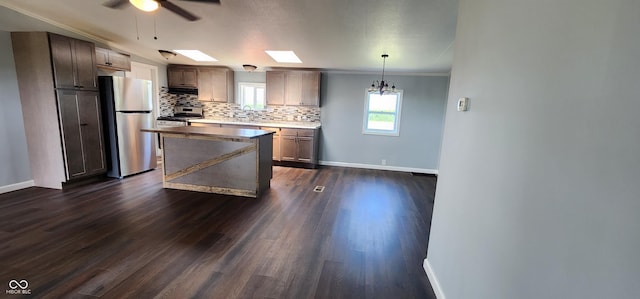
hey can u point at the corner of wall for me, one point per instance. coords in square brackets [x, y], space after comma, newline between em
[435, 284]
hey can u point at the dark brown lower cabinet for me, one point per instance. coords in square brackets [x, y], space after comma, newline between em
[289, 148]
[80, 121]
[299, 145]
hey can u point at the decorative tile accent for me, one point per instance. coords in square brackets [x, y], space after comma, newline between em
[214, 110]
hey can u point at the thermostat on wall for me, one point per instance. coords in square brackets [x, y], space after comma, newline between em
[463, 104]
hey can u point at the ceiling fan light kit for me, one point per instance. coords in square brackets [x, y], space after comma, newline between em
[382, 86]
[145, 5]
[153, 5]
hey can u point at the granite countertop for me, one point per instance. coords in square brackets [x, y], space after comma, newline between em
[215, 132]
[292, 125]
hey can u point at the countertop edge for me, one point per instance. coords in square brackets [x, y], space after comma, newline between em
[255, 124]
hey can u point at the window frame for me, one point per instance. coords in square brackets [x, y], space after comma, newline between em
[240, 100]
[397, 114]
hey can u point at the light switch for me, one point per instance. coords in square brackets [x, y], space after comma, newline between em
[463, 104]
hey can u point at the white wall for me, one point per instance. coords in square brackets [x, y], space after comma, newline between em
[342, 111]
[14, 158]
[539, 194]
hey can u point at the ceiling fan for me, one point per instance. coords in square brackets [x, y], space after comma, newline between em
[151, 5]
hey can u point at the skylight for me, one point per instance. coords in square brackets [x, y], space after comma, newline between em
[284, 56]
[196, 55]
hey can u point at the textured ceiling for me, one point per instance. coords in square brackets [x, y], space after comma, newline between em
[327, 34]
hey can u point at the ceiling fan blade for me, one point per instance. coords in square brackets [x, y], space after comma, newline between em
[116, 4]
[205, 1]
[179, 11]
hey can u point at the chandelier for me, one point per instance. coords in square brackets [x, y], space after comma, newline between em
[382, 86]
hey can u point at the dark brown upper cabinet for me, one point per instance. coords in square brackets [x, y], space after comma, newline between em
[74, 63]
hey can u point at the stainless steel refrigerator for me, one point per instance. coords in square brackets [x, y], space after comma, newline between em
[127, 105]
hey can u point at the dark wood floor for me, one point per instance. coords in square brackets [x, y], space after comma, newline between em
[365, 236]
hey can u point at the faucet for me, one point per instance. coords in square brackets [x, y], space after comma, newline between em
[249, 112]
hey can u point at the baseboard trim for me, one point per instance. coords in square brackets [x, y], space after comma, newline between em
[435, 284]
[379, 167]
[16, 186]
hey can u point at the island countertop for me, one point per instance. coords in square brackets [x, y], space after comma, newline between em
[213, 132]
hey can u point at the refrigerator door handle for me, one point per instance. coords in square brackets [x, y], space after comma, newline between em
[134, 111]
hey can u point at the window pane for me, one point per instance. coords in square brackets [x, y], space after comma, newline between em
[252, 95]
[382, 114]
[386, 103]
[260, 99]
[381, 121]
[247, 95]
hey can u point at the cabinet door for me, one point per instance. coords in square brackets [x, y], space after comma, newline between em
[305, 149]
[310, 89]
[182, 77]
[275, 88]
[205, 88]
[82, 132]
[276, 147]
[62, 56]
[71, 133]
[293, 91]
[102, 57]
[85, 65]
[91, 131]
[73, 62]
[219, 84]
[288, 148]
[119, 61]
[190, 78]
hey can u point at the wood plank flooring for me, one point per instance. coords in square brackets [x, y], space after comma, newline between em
[365, 236]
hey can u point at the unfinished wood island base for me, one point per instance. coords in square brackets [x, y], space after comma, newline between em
[216, 160]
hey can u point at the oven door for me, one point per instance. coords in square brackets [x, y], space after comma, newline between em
[170, 123]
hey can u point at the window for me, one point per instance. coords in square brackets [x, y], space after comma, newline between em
[382, 113]
[252, 95]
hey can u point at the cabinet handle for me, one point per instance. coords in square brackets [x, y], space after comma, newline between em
[78, 86]
[84, 125]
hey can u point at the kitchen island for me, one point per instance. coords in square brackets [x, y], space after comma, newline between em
[216, 160]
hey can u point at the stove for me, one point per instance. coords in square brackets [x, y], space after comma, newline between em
[180, 117]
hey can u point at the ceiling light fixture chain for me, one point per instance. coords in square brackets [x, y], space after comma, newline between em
[137, 29]
[155, 29]
[382, 86]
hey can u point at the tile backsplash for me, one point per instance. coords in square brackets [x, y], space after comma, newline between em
[214, 110]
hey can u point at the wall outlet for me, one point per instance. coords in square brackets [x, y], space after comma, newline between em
[383, 162]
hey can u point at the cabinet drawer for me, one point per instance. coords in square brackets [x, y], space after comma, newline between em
[306, 132]
[298, 132]
[289, 132]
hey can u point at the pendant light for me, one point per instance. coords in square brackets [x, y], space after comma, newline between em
[382, 86]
